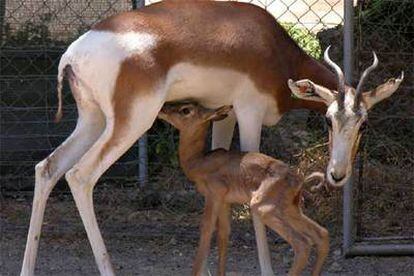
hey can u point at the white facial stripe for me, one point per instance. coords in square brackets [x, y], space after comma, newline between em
[346, 125]
[343, 142]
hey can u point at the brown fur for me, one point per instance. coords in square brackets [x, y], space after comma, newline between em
[229, 35]
[271, 188]
[135, 75]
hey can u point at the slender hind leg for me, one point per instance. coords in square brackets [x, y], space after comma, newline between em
[318, 235]
[300, 244]
[123, 127]
[47, 172]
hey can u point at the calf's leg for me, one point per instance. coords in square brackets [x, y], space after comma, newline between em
[318, 235]
[223, 232]
[208, 223]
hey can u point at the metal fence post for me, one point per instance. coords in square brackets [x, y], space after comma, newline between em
[143, 141]
[2, 14]
[350, 247]
[348, 67]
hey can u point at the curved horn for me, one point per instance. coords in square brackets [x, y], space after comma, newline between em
[340, 75]
[358, 92]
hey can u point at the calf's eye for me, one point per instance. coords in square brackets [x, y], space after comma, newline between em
[185, 111]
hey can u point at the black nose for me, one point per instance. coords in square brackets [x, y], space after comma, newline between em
[337, 179]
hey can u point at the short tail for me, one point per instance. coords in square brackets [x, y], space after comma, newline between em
[59, 112]
[316, 176]
[63, 67]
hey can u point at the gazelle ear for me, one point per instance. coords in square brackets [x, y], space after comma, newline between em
[220, 113]
[307, 90]
[382, 91]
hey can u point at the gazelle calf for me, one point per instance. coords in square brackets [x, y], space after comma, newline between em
[271, 188]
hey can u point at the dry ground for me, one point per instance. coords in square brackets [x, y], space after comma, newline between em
[151, 242]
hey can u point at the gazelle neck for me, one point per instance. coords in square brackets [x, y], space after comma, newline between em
[191, 147]
[317, 72]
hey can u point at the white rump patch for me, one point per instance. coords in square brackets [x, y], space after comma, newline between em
[96, 57]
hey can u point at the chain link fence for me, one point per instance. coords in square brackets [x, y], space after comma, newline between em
[34, 36]
[36, 33]
[384, 190]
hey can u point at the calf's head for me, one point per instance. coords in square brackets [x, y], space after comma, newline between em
[346, 115]
[191, 116]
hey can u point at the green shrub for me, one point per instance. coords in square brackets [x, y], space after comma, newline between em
[305, 39]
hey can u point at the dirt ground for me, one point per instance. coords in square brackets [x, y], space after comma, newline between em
[152, 242]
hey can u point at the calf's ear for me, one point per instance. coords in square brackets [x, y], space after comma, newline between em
[220, 113]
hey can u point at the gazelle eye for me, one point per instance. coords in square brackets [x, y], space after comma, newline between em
[185, 111]
[328, 122]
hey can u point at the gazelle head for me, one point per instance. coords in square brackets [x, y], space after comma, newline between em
[346, 115]
[191, 116]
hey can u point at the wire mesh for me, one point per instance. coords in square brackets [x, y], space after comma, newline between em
[385, 190]
[34, 36]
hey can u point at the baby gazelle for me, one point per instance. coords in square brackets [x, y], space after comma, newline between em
[270, 187]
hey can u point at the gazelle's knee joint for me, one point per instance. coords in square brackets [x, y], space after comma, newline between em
[260, 208]
[43, 169]
[72, 178]
[303, 244]
[324, 235]
[75, 180]
[45, 172]
[45, 177]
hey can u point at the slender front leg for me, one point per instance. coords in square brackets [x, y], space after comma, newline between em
[250, 127]
[223, 232]
[221, 138]
[208, 223]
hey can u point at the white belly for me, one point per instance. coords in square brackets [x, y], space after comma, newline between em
[96, 57]
[214, 87]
